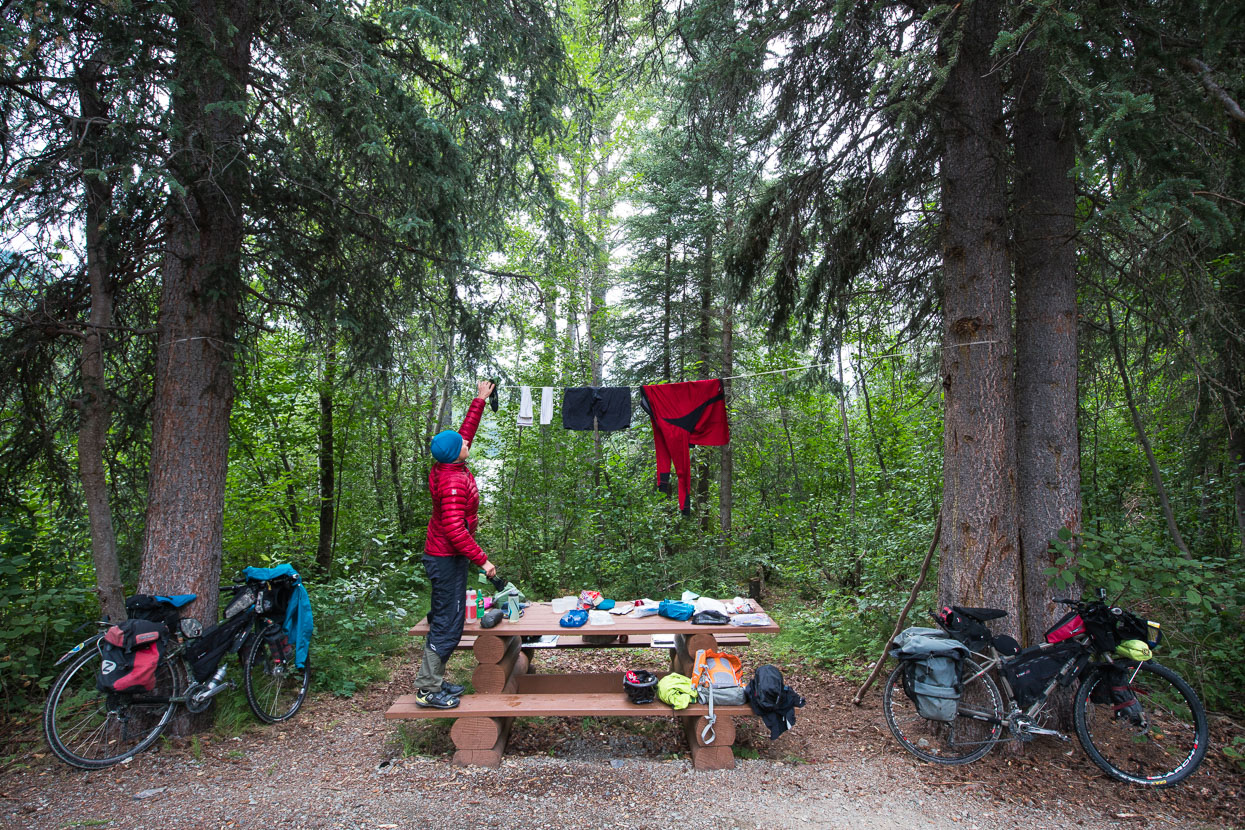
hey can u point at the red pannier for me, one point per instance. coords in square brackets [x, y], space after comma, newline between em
[130, 653]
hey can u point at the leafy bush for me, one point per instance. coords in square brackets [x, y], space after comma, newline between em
[1198, 601]
[46, 606]
[360, 620]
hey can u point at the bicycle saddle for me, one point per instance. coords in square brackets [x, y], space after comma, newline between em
[979, 614]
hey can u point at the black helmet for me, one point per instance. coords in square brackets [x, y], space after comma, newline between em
[640, 685]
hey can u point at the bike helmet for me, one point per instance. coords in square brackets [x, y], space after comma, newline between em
[640, 686]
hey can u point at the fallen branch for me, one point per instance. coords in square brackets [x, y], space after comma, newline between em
[903, 615]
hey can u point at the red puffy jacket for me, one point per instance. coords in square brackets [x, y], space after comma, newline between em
[455, 501]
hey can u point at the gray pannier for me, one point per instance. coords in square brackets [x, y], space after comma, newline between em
[932, 674]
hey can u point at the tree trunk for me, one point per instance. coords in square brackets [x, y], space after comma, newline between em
[862, 372]
[199, 314]
[1236, 457]
[980, 559]
[726, 473]
[395, 473]
[858, 564]
[667, 298]
[328, 461]
[1048, 458]
[1155, 474]
[96, 409]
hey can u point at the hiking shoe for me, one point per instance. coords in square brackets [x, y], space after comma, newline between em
[435, 700]
[452, 689]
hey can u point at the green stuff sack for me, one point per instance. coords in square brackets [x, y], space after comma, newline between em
[1134, 650]
[676, 690]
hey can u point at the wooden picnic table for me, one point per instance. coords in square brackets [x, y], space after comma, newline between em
[505, 686]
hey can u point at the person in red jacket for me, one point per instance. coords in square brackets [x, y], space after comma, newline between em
[449, 548]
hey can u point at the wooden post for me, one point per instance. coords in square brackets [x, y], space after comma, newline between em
[491, 648]
[718, 756]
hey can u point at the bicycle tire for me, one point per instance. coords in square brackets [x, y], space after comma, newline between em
[275, 687]
[973, 733]
[90, 729]
[1165, 748]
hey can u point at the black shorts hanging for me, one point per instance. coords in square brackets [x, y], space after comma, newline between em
[609, 405]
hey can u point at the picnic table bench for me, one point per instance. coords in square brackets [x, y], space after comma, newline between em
[506, 688]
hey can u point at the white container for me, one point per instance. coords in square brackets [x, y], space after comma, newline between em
[563, 604]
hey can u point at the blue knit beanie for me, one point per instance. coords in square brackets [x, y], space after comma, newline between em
[446, 445]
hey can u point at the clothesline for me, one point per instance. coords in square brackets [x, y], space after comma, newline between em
[804, 367]
[462, 384]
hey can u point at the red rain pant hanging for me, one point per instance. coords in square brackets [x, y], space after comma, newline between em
[684, 414]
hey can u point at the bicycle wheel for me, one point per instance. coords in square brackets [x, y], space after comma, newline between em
[1157, 744]
[976, 728]
[275, 686]
[91, 729]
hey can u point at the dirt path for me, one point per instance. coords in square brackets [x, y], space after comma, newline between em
[339, 764]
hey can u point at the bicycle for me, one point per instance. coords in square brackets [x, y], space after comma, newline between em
[1137, 720]
[93, 729]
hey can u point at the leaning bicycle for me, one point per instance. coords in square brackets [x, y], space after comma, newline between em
[91, 727]
[1137, 720]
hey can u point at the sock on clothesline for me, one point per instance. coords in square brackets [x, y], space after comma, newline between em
[546, 404]
[525, 406]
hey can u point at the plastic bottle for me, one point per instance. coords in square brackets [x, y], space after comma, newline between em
[471, 605]
[480, 606]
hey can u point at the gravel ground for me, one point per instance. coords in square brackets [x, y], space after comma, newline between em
[339, 764]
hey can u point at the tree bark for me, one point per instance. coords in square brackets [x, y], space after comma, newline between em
[327, 461]
[1048, 458]
[199, 303]
[980, 559]
[96, 409]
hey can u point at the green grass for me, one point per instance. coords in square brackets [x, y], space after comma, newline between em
[424, 737]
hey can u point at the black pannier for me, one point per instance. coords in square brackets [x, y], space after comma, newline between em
[1113, 690]
[1033, 669]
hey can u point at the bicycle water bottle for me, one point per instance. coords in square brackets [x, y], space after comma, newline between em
[472, 600]
[217, 677]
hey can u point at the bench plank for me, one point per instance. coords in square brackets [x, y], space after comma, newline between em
[553, 705]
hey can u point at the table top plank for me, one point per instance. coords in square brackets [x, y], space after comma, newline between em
[539, 618]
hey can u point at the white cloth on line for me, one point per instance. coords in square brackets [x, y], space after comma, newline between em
[546, 404]
[525, 406]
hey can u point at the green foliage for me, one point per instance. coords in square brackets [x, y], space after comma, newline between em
[1235, 752]
[46, 607]
[360, 621]
[1198, 601]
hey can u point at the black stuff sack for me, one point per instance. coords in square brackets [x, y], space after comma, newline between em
[129, 655]
[773, 701]
[204, 653]
[1032, 672]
